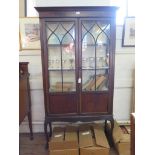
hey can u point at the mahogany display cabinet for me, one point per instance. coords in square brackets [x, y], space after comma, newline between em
[78, 49]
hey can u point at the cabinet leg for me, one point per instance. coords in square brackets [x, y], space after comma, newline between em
[30, 125]
[112, 124]
[46, 134]
[50, 127]
[105, 127]
[111, 133]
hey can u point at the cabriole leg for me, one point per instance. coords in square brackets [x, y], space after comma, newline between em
[30, 125]
[50, 127]
[46, 134]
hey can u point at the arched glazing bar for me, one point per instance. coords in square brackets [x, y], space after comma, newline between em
[95, 38]
[56, 34]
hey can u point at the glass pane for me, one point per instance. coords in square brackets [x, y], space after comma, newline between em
[54, 58]
[57, 32]
[61, 56]
[55, 79]
[68, 55]
[95, 55]
[88, 80]
[102, 57]
[69, 81]
[102, 80]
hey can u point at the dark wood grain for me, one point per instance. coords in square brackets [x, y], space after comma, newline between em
[63, 103]
[94, 103]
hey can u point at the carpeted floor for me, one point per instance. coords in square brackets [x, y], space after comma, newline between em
[37, 145]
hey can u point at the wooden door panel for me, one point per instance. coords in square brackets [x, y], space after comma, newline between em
[63, 104]
[94, 103]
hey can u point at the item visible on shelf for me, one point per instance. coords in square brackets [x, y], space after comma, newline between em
[71, 63]
[51, 63]
[67, 86]
[85, 63]
[87, 83]
[90, 84]
[98, 62]
[57, 62]
[99, 80]
[103, 85]
[92, 62]
[107, 60]
[64, 63]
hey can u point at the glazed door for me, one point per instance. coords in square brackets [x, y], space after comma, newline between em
[78, 61]
[62, 62]
[94, 65]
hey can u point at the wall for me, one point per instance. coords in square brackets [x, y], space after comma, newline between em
[123, 88]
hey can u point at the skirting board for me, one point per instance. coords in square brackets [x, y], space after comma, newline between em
[38, 127]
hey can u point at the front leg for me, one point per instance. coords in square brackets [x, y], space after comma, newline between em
[30, 125]
[50, 127]
[105, 127]
[112, 124]
[46, 134]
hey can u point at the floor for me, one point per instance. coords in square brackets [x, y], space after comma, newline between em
[37, 145]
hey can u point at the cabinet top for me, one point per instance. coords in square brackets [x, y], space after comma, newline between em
[77, 8]
[77, 11]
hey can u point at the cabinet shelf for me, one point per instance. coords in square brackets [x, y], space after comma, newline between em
[66, 69]
[95, 44]
[59, 45]
[65, 45]
[95, 68]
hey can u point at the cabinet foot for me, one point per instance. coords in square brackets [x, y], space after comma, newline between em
[30, 125]
[46, 134]
[50, 127]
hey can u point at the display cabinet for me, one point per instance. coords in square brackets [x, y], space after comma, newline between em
[78, 46]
